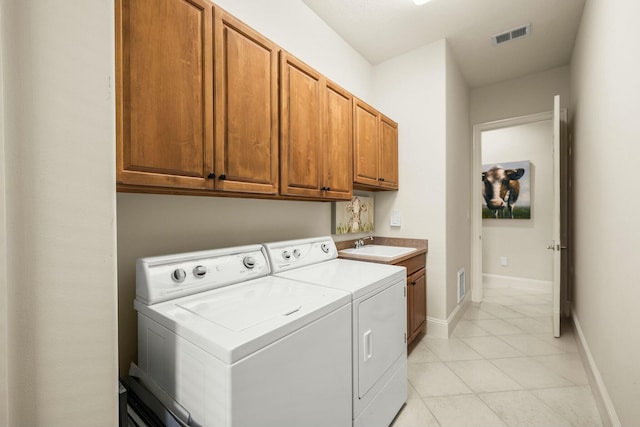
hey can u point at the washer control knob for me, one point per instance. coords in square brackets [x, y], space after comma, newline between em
[249, 262]
[178, 275]
[325, 248]
[296, 253]
[199, 271]
[286, 255]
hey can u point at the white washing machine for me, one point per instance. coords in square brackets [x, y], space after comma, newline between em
[379, 320]
[236, 347]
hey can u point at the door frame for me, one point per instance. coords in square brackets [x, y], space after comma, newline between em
[476, 196]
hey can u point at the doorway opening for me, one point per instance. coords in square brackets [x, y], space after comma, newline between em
[511, 248]
[540, 141]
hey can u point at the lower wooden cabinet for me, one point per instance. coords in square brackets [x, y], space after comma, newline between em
[416, 296]
[416, 304]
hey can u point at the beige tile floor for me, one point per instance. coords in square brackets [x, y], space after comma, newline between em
[501, 367]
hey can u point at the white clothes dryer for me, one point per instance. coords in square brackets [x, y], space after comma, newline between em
[379, 320]
[239, 348]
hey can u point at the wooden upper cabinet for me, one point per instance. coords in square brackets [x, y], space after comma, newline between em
[205, 105]
[365, 144]
[301, 130]
[375, 147]
[164, 91]
[388, 172]
[246, 73]
[338, 137]
[315, 134]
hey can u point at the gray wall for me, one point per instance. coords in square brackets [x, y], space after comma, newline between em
[605, 108]
[412, 88]
[520, 97]
[458, 184]
[58, 281]
[424, 91]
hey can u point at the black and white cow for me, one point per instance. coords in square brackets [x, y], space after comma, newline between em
[500, 189]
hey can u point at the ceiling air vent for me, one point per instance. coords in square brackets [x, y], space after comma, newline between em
[516, 33]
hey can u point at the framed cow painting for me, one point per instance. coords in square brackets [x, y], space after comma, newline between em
[354, 216]
[506, 190]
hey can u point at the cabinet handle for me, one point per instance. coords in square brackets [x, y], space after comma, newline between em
[381, 179]
[328, 188]
[222, 177]
[212, 176]
[413, 283]
[323, 188]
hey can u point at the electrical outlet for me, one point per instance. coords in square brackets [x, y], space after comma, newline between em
[504, 261]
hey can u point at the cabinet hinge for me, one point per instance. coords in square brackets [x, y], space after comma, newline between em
[405, 337]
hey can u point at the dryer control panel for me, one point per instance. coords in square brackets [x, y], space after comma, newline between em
[172, 276]
[290, 254]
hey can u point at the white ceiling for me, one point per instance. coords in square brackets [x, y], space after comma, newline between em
[382, 29]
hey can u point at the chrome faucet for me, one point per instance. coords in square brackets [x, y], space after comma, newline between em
[360, 242]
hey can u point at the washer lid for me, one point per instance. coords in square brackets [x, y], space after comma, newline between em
[235, 321]
[357, 277]
[246, 307]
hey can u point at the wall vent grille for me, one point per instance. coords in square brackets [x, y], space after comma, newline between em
[462, 286]
[513, 34]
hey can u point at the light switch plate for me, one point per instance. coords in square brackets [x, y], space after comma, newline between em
[395, 220]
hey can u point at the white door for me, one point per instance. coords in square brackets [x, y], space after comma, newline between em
[560, 190]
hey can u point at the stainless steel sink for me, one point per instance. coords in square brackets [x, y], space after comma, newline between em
[379, 251]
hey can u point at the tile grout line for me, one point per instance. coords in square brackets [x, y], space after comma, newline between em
[529, 334]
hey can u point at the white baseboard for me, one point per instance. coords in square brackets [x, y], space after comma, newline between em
[444, 328]
[437, 328]
[497, 281]
[603, 400]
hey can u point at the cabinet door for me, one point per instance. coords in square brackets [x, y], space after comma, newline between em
[418, 284]
[246, 145]
[410, 335]
[388, 172]
[365, 144]
[338, 137]
[164, 72]
[301, 130]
